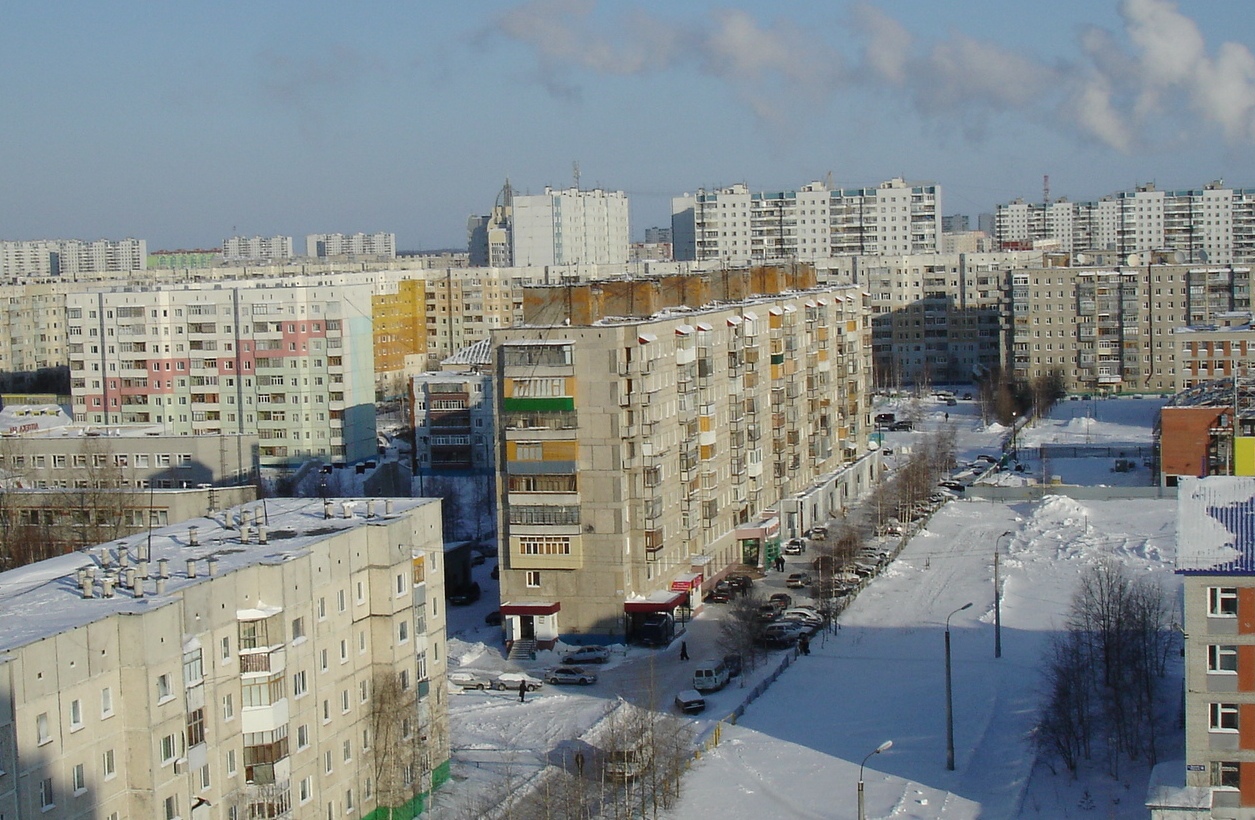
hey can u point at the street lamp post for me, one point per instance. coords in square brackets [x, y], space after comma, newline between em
[949, 699]
[998, 599]
[884, 747]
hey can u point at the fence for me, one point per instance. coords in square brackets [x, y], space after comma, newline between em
[1036, 492]
[1110, 450]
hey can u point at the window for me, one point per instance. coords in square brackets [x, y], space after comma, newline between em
[299, 684]
[326, 710]
[47, 799]
[43, 730]
[348, 800]
[108, 767]
[340, 600]
[305, 791]
[76, 715]
[1224, 717]
[348, 751]
[403, 631]
[400, 584]
[326, 761]
[78, 778]
[1222, 658]
[193, 668]
[363, 690]
[344, 650]
[228, 707]
[1226, 773]
[163, 688]
[169, 750]
[298, 629]
[302, 736]
[532, 578]
[226, 650]
[230, 762]
[322, 608]
[322, 659]
[196, 727]
[172, 807]
[344, 701]
[204, 777]
[1222, 602]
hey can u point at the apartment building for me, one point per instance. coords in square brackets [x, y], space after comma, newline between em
[33, 317]
[292, 364]
[71, 257]
[1110, 329]
[734, 226]
[568, 227]
[1216, 559]
[1206, 430]
[643, 456]
[1205, 353]
[257, 249]
[1213, 224]
[324, 245]
[283, 661]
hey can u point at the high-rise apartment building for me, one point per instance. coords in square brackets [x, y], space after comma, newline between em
[71, 257]
[276, 662]
[376, 245]
[291, 363]
[644, 456]
[257, 249]
[1212, 224]
[1111, 328]
[569, 227]
[734, 226]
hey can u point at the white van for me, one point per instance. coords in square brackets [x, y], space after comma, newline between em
[710, 676]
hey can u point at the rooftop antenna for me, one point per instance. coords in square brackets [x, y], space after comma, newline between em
[575, 173]
[1045, 189]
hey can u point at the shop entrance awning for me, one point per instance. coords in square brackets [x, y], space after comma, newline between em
[661, 601]
[531, 609]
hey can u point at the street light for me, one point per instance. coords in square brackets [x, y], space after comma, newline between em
[998, 599]
[884, 747]
[949, 699]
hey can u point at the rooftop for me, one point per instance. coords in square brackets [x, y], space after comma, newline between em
[1216, 525]
[46, 598]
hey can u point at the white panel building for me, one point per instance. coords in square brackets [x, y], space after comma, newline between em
[257, 248]
[290, 362]
[321, 245]
[70, 257]
[734, 226]
[571, 227]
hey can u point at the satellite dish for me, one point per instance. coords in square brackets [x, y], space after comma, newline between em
[1202, 256]
[1134, 259]
[1178, 257]
[1082, 259]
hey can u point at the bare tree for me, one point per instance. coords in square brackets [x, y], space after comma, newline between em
[741, 627]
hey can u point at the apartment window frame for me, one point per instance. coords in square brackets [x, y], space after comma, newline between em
[1222, 659]
[1222, 602]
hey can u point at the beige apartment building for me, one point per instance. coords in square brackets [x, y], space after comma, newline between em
[644, 453]
[277, 660]
[1110, 329]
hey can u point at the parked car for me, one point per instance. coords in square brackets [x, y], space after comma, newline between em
[951, 402]
[740, 583]
[471, 679]
[819, 533]
[803, 626]
[721, 594]
[803, 613]
[967, 397]
[511, 680]
[690, 702]
[768, 612]
[493, 618]
[710, 676]
[465, 595]
[782, 600]
[953, 486]
[587, 654]
[570, 674]
[988, 459]
[794, 546]
[734, 663]
[901, 426]
[798, 580]
[781, 634]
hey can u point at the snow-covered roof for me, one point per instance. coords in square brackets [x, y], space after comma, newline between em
[479, 353]
[43, 599]
[1216, 525]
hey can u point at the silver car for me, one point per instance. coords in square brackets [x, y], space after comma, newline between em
[570, 674]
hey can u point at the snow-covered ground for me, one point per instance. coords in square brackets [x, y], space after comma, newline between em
[796, 751]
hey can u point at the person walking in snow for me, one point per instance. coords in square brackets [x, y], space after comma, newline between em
[684, 651]
[522, 691]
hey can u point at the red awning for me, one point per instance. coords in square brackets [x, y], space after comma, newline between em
[530, 609]
[657, 602]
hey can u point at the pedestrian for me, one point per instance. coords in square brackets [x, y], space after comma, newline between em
[579, 763]
[684, 650]
[804, 643]
[522, 691]
[947, 416]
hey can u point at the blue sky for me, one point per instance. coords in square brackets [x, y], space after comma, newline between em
[184, 123]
